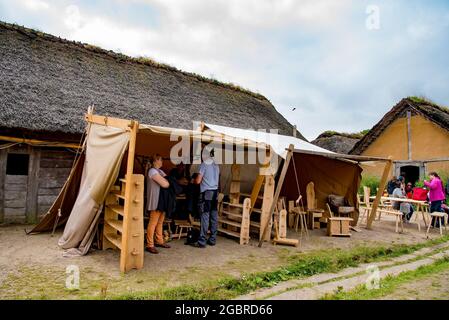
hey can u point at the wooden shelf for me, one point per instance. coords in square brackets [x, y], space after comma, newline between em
[233, 214]
[120, 196]
[116, 224]
[230, 222]
[115, 239]
[239, 205]
[228, 232]
[117, 209]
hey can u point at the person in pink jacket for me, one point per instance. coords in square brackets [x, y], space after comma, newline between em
[436, 193]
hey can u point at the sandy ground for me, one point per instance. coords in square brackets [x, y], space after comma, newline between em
[32, 266]
[433, 287]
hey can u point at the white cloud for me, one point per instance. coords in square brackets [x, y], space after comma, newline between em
[34, 5]
[72, 17]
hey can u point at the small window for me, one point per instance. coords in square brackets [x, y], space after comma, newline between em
[17, 164]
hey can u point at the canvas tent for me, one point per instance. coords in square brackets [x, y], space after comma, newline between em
[110, 141]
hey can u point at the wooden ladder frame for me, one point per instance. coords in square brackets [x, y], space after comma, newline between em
[132, 244]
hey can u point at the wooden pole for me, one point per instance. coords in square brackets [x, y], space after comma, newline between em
[40, 143]
[129, 175]
[278, 188]
[382, 184]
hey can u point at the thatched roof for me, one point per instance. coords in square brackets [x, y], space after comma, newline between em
[417, 106]
[47, 83]
[336, 141]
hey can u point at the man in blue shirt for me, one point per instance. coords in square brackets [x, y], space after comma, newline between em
[208, 179]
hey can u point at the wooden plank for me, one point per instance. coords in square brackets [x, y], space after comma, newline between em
[116, 224]
[55, 163]
[19, 203]
[283, 224]
[117, 209]
[14, 195]
[33, 185]
[16, 179]
[229, 232]
[40, 142]
[16, 187]
[234, 188]
[278, 190]
[15, 211]
[115, 239]
[265, 217]
[2, 183]
[112, 122]
[132, 238]
[287, 242]
[382, 185]
[244, 230]
[256, 190]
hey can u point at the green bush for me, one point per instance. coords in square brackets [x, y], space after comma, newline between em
[371, 182]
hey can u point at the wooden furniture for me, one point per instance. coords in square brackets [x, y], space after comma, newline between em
[314, 213]
[180, 226]
[280, 229]
[122, 232]
[440, 216]
[299, 215]
[338, 226]
[365, 205]
[235, 216]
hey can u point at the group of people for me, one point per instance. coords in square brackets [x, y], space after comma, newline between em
[158, 182]
[436, 194]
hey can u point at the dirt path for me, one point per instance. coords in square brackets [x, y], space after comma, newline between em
[318, 286]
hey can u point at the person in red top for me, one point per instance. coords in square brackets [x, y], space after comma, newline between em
[409, 190]
[436, 193]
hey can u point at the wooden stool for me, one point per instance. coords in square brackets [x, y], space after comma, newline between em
[300, 220]
[180, 226]
[314, 214]
[399, 220]
[441, 219]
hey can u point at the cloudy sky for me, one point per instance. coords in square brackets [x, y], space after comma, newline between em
[341, 63]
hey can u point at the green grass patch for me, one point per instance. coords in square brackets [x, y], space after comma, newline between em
[298, 266]
[390, 283]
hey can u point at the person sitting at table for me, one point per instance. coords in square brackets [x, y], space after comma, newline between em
[404, 207]
[409, 190]
[391, 185]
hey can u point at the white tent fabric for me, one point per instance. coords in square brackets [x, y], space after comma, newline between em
[279, 143]
[104, 152]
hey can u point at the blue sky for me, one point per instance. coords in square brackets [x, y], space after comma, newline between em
[342, 64]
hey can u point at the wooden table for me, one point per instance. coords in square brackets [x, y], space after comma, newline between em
[421, 206]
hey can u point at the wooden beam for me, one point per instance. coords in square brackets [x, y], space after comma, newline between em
[278, 188]
[343, 156]
[40, 143]
[265, 216]
[112, 122]
[33, 184]
[3, 157]
[382, 184]
[128, 193]
[409, 135]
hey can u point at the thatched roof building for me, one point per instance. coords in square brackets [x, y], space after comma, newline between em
[336, 141]
[47, 83]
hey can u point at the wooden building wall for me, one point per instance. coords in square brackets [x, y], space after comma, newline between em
[25, 198]
[428, 141]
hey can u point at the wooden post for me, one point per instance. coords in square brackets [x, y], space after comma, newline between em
[382, 184]
[33, 184]
[3, 158]
[128, 196]
[409, 135]
[265, 217]
[234, 189]
[278, 188]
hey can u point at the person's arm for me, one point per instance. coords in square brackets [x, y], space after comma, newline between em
[200, 175]
[427, 183]
[198, 179]
[160, 180]
[432, 184]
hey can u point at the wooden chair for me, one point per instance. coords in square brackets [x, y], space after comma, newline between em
[299, 218]
[181, 225]
[312, 209]
[441, 217]
[337, 226]
[365, 206]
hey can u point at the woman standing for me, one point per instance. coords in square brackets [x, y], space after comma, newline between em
[436, 193]
[155, 180]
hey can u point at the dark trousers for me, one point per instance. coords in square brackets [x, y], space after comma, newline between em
[435, 206]
[208, 209]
